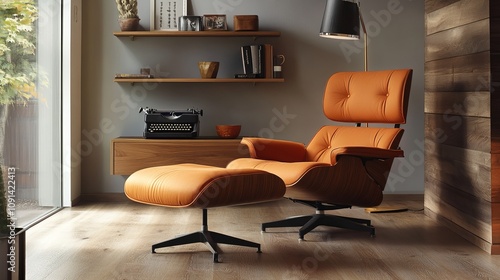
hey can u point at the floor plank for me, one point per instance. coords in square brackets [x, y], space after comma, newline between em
[113, 241]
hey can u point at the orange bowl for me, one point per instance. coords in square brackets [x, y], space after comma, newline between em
[228, 131]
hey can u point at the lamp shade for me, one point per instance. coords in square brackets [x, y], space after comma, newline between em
[340, 20]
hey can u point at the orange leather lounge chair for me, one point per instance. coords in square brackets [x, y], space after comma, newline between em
[342, 166]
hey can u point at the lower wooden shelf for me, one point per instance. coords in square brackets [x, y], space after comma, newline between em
[129, 154]
[197, 80]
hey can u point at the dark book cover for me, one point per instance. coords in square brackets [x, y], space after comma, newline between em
[246, 57]
[246, 76]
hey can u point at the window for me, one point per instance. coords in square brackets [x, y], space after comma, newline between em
[30, 107]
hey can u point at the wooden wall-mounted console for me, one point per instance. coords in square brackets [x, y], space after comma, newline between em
[129, 154]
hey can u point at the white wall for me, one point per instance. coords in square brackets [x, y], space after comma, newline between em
[109, 110]
[72, 89]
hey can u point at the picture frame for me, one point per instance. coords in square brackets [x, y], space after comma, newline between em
[190, 23]
[214, 22]
[164, 14]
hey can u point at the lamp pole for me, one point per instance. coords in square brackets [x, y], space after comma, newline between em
[366, 37]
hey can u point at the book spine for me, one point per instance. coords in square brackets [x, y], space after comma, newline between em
[247, 60]
[132, 76]
[245, 76]
[261, 66]
[255, 58]
[269, 63]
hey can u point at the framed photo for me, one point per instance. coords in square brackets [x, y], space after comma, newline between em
[190, 23]
[214, 22]
[164, 14]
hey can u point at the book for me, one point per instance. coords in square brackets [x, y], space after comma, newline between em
[268, 61]
[246, 76]
[261, 62]
[258, 60]
[247, 60]
[133, 76]
[255, 59]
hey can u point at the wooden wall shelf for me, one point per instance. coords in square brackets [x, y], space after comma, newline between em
[133, 34]
[255, 34]
[197, 80]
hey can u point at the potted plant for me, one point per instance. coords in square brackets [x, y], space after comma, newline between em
[128, 18]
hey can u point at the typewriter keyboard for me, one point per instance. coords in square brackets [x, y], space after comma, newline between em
[170, 127]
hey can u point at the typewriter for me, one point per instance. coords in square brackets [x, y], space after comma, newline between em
[171, 123]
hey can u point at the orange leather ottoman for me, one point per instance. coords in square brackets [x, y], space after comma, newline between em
[201, 186]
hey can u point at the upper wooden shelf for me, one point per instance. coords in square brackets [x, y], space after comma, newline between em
[197, 34]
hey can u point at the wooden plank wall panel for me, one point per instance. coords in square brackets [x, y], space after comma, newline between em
[458, 74]
[468, 103]
[466, 170]
[459, 131]
[464, 12]
[433, 5]
[458, 183]
[462, 40]
[455, 207]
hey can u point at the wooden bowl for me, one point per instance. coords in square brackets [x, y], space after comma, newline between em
[228, 131]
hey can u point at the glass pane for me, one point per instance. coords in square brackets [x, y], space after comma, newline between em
[30, 107]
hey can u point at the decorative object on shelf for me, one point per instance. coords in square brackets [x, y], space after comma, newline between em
[341, 21]
[246, 23]
[171, 123]
[214, 22]
[279, 60]
[208, 69]
[228, 131]
[190, 23]
[164, 14]
[128, 18]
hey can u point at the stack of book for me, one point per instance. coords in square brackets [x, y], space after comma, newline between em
[257, 61]
[133, 76]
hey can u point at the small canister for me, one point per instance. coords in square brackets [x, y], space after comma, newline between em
[279, 60]
[277, 73]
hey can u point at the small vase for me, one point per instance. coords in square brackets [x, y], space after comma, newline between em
[208, 69]
[129, 24]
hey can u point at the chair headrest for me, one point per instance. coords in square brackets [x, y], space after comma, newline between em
[368, 97]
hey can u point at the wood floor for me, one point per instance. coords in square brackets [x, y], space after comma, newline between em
[113, 241]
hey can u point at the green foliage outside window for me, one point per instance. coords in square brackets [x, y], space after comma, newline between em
[18, 69]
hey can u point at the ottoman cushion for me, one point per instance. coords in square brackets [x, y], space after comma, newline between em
[201, 186]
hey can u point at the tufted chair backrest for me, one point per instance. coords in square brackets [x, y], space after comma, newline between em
[374, 97]
[368, 97]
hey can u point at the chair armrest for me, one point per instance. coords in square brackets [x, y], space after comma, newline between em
[272, 149]
[365, 152]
